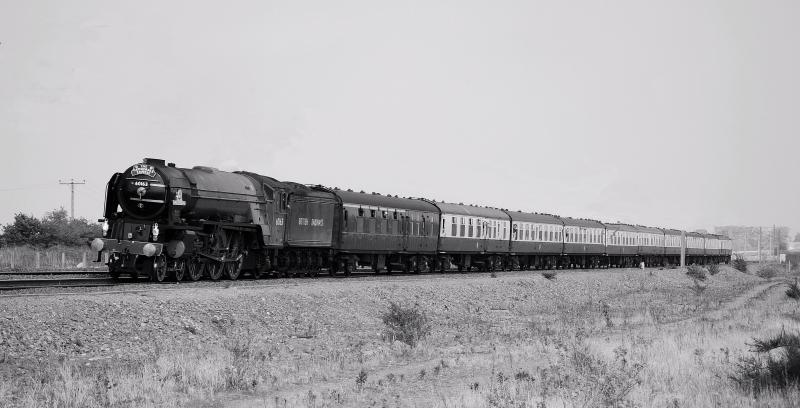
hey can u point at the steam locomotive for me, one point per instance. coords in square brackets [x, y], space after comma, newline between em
[168, 223]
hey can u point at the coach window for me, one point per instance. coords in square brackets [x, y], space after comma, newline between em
[470, 228]
[478, 228]
[384, 214]
[463, 231]
[360, 212]
[514, 232]
[444, 229]
[454, 227]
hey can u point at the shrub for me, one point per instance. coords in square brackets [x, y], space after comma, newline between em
[407, 324]
[696, 272]
[740, 264]
[774, 371]
[697, 288]
[591, 380]
[767, 271]
[549, 275]
[361, 378]
[713, 269]
[794, 291]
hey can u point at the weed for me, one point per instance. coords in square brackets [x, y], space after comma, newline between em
[697, 273]
[767, 271]
[697, 288]
[740, 264]
[713, 269]
[242, 373]
[549, 275]
[361, 378]
[422, 374]
[407, 324]
[523, 376]
[794, 291]
[605, 310]
[779, 369]
[589, 380]
[493, 274]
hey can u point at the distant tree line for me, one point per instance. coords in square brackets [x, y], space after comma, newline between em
[55, 228]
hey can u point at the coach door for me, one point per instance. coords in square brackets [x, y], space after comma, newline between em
[483, 233]
[405, 227]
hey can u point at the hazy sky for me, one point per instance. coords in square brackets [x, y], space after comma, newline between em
[672, 113]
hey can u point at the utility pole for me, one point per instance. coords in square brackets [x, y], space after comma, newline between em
[759, 245]
[72, 184]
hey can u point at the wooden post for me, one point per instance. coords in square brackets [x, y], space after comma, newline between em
[11, 257]
[63, 260]
[38, 260]
[84, 260]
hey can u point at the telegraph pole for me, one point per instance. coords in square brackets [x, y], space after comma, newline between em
[759, 245]
[72, 184]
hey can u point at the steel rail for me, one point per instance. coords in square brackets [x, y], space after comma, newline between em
[57, 272]
[60, 283]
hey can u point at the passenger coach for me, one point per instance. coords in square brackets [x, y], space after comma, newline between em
[472, 237]
[536, 240]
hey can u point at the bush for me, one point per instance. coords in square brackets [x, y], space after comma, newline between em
[767, 271]
[713, 269]
[794, 291]
[55, 228]
[549, 275]
[696, 272]
[593, 381]
[407, 324]
[777, 370]
[740, 264]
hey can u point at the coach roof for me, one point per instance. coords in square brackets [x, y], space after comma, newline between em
[578, 222]
[384, 201]
[535, 217]
[471, 210]
[622, 227]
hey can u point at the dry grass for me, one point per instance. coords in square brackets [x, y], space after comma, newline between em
[650, 345]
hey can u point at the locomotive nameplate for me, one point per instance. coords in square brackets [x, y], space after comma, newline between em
[140, 169]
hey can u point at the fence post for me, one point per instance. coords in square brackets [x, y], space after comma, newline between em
[63, 260]
[38, 260]
[84, 260]
[11, 256]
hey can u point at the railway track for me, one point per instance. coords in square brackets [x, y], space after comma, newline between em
[55, 283]
[57, 272]
[367, 275]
